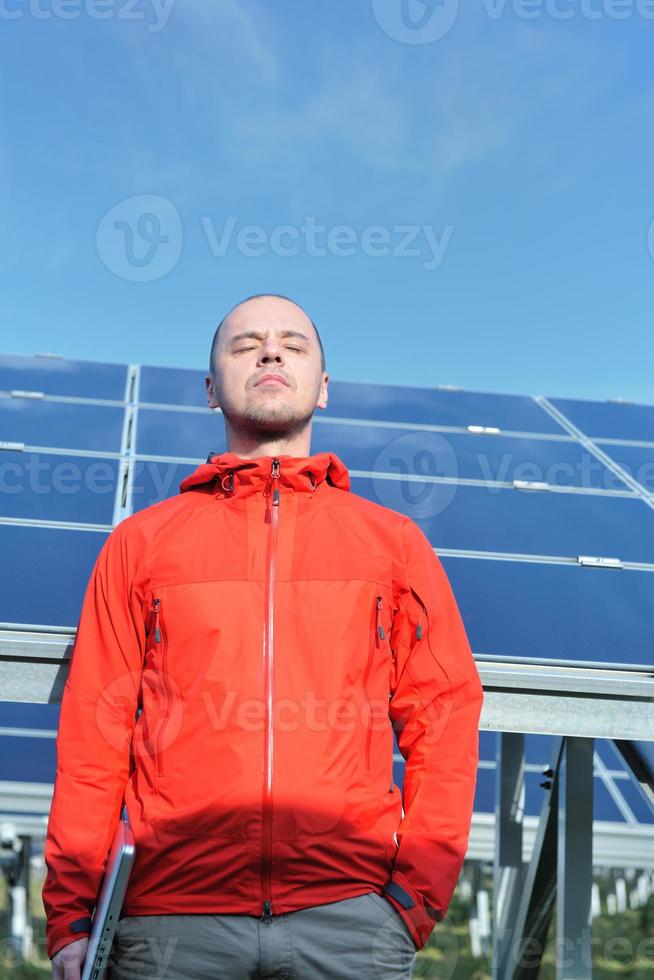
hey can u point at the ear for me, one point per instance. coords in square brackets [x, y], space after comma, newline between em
[212, 398]
[323, 397]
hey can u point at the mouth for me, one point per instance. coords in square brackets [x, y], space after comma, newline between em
[270, 379]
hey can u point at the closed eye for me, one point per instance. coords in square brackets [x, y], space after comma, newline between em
[240, 350]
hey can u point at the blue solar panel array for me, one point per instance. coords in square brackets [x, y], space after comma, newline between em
[510, 489]
[69, 431]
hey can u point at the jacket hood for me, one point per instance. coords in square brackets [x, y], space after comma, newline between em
[235, 475]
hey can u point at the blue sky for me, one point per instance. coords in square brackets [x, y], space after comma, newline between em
[510, 155]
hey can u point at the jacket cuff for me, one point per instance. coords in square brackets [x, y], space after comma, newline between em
[61, 936]
[419, 919]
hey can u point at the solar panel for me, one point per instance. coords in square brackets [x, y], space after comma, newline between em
[44, 572]
[62, 425]
[57, 487]
[637, 461]
[191, 435]
[172, 386]
[638, 804]
[561, 462]
[609, 420]
[28, 759]
[57, 376]
[496, 519]
[156, 480]
[556, 612]
[617, 796]
[394, 403]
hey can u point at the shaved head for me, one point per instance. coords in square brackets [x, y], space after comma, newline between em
[214, 343]
[267, 375]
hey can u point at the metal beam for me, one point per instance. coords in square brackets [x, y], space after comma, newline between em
[534, 699]
[508, 867]
[574, 871]
[546, 700]
[615, 845]
[525, 944]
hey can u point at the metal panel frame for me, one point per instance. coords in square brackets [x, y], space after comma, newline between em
[517, 698]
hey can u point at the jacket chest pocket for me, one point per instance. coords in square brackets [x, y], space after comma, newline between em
[377, 683]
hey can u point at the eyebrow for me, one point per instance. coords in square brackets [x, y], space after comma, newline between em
[260, 336]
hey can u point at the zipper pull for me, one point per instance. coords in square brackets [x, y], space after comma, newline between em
[266, 915]
[274, 475]
[157, 631]
[419, 631]
[380, 628]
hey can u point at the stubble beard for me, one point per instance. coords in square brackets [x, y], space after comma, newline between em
[268, 420]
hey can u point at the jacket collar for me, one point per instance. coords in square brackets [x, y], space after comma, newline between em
[237, 476]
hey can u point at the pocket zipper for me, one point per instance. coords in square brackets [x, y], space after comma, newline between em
[158, 639]
[418, 636]
[377, 635]
[419, 630]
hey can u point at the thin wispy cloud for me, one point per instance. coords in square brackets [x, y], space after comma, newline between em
[424, 116]
[375, 125]
[241, 34]
[485, 104]
[209, 51]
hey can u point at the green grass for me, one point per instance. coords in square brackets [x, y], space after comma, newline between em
[38, 968]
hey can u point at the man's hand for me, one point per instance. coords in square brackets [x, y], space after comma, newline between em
[68, 962]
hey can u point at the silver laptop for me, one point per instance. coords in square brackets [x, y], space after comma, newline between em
[110, 900]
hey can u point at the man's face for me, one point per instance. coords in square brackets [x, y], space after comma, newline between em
[267, 335]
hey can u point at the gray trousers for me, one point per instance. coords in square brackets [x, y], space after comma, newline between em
[362, 938]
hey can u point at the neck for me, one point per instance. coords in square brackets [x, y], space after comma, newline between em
[249, 445]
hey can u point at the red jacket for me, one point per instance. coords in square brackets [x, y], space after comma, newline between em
[274, 628]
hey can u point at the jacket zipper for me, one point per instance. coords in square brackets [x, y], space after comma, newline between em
[378, 635]
[164, 676]
[268, 655]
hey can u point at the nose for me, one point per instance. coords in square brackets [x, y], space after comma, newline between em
[271, 350]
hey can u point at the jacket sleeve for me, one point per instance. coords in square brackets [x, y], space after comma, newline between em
[435, 707]
[96, 721]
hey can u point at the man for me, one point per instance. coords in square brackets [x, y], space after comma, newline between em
[275, 628]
